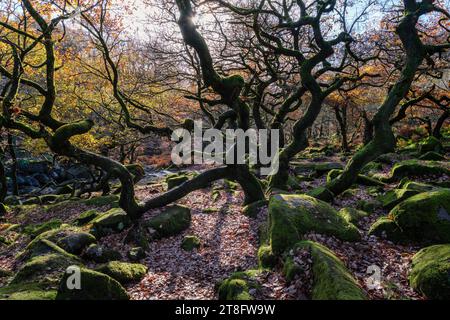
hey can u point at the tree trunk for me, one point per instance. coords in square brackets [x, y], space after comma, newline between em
[440, 123]
[342, 121]
[384, 140]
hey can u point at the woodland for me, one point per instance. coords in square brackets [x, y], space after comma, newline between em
[93, 207]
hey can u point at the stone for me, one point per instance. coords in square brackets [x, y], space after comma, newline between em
[94, 286]
[292, 216]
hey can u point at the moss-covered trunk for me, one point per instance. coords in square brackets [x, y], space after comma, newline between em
[384, 140]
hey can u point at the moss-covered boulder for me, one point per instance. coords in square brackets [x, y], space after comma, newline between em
[190, 243]
[332, 280]
[100, 254]
[94, 286]
[86, 217]
[422, 218]
[417, 168]
[352, 215]
[386, 228]
[172, 221]
[76, 242]
[71, 239]
[291, 216]
[393, 197]
[33, 230]
[239, 286]
[430, 272]
[321, 193]
[27, 291]
[176, 180]
[123, 272]
[114, 220]
[361, 179]
[45, 269]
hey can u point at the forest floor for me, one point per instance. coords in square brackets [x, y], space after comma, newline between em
[229, 243]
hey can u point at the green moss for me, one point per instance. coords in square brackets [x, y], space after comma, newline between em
[431, 144]
[190, 243]
[253, 209]
[34, 230]
[123, 272]
[425, 217]
[27, 291]
[111, 200]
[291, 269]
[371, 167]
[368, 206]
[266, 258]
[101, 201]
[86, 217]
[234, 289]
[352, 215]
[94, 286]
[291, 216]
[385, 227]
[45, 199]
[362, 179]
[393, 197]
[321, 193]
[46, 268]
[175, 181]
[71, 239]
[172, 221]
[332, 280]
[417, 168]
[430, 272]
[114, 220]
[238, 286]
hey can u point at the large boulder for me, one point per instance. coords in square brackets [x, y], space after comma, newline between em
[430, 272]
[94, 286]
[114, 220]
[100, 254]
[395, 196]
[86, 217]
[331, 279]
[123, 272]
[417, 168]
[172, 221]
[422, 218]
[70, 239]
[46, 268]
[292, 216]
